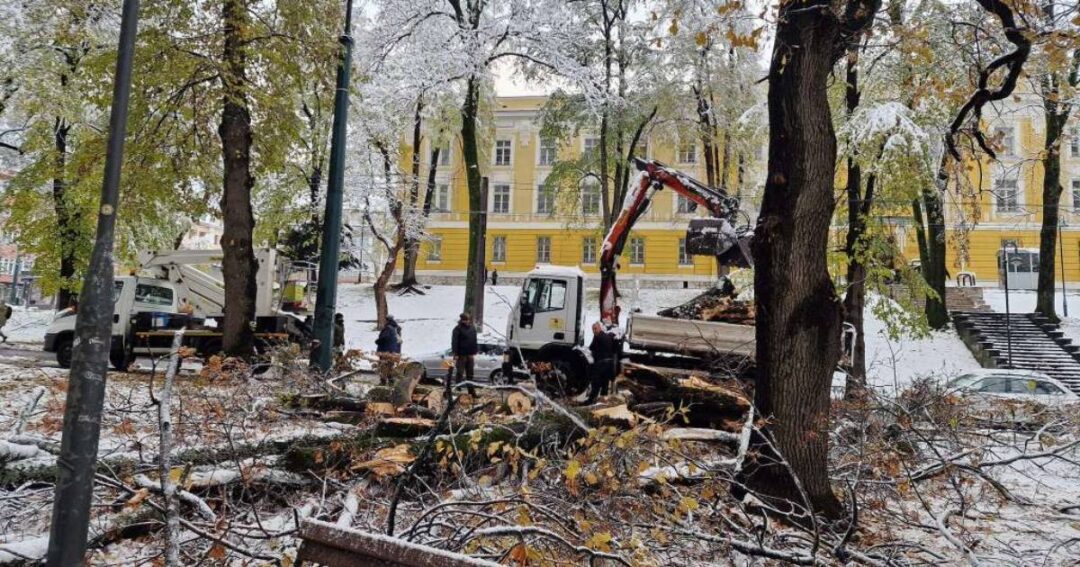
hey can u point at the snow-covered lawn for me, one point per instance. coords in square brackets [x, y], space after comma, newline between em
[28, 325]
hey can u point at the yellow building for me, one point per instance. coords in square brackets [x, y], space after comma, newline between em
[528, 225]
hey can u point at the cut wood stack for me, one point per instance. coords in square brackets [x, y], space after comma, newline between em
[715, 304]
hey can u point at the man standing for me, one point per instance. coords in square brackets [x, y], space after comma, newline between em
[339, 334]
[602, 370]
[5, 314]
[388, 349]
[463, 347]
[495, 277]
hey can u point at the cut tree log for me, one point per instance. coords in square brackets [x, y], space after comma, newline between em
[519, 403]
[403, 426]
[405, 384]
[619, 416]
[697, 402]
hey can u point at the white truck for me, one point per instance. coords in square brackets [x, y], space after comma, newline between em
[179, 288]
[547, 324]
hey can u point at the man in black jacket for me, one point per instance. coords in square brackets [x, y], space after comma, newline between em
[464, 348]
[602, 370]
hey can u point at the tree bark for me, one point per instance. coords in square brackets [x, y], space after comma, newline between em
[412, 245]
[932, 247]
[1048, 234]
[67, 217]
[855, 245]
[239, 266]
[798, 324]
[474, 290]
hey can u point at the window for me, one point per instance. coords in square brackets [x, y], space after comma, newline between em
[153, 295]
[118, 287]
[591, 145]
[434, 252]
[498, 249]
[1074, 142]
[993, 385]
[444, 155]
[1006, 138]
[637, 250]
[1033, 386]
[543, 249]
[440, 201]
[549, 152]
[500, 199]
[590, 199]
[588, 250]
[1076, 195]
[685, 258]
[1006, 196]
[687, 152]
[546, 295]
[545, 200]
[502, 152]
[683, 205]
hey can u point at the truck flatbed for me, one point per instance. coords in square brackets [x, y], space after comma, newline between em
[689, 336]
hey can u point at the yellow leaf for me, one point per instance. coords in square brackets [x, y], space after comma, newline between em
[590, 477]
[688, 504]
[701, 39]
[485, 481]
[523, 517]
[673, 29]
[600, 541]
[573, 469]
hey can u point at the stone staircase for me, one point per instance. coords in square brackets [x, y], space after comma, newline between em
[1037, 344]
[966, 299]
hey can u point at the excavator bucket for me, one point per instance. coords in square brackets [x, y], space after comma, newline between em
[716, 237]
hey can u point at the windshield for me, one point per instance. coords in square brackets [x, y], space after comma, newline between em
[962, 381]
[544, 294]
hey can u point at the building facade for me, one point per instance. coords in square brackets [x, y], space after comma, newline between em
[529, 224]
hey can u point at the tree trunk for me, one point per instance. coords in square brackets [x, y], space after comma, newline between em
[798, 324]
[412, 245]
[932, 248]
[67, 217]
[1048, 235]
[855, 245]
[239, 266]
[474, 289]
[705, 131]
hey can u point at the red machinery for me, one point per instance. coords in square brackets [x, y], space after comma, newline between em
[716, 236]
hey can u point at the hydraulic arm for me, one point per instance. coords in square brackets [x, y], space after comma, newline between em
[715, 236]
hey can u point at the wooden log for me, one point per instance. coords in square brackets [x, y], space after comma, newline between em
[326, 402]
[705, 404]
[619, 416]
[403, 426]
[327, 544]
[406, 383]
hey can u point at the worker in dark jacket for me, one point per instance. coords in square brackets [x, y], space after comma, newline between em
[463, 347]
[602, 370]
[388, 349]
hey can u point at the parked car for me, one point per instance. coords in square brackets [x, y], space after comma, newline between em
[1016, 396]
[488, 362]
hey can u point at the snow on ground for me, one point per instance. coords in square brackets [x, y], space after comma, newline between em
[427, 321]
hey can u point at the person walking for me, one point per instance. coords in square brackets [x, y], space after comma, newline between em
[5, 314]
[339, 334]
[495, 277]
[463, 347]
[602, 370]
[388, 349]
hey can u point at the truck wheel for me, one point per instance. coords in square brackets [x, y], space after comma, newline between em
[568, 373]
[63, 352]
[120, 360]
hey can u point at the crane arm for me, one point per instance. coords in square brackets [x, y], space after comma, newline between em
[715, 236]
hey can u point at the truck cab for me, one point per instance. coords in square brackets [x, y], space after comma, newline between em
[546, 325]
[131, 294]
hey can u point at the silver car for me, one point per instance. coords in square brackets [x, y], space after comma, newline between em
[1018, 396]
[489, 361]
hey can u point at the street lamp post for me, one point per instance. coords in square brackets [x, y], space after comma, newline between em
[1061, 250]
[326, 299]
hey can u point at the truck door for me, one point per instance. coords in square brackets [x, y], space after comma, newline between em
[542, 313]
[119, 325]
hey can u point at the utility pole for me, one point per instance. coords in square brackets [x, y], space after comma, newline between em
[93, 333]
[326, 300]
[14, 296]
[1061, 251]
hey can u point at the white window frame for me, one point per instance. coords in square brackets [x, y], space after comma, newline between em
[509, 152]
[590, 258]
[444, 155]
[997, 195]
[680, 153]
[540, 192]
[509, 198]
[1074, 142]
[585, 144]
[442, 193]
[540, 148]
[434, 250]
[634, 261]
[599, 199]
[679, 200]
[1008, 141]
[495, 249]
[546, 257]
[685, 258]
[1075, 186]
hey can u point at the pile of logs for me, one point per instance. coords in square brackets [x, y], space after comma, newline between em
[716, 304]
